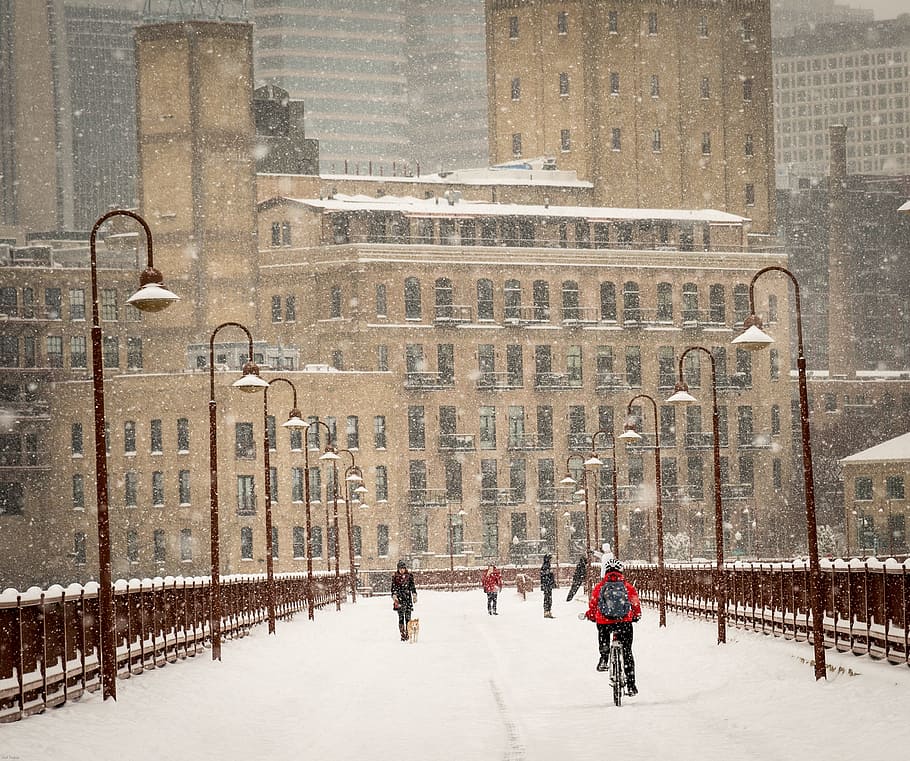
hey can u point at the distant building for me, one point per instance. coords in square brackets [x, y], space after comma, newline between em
[791, 16]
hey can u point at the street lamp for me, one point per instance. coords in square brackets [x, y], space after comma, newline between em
[682, 397]
[152, 296]
[331, 456]
[595, 462]
[269, 559]
[296, 422]
[568, 480]
[753, 339]
[629, 434]
[352, 475]
[249, 382]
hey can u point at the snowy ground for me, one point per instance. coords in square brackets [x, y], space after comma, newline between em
[513, 687]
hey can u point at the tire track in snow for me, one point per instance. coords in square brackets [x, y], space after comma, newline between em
[515, 750]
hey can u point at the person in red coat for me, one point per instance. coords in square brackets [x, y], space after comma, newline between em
[492, 585]
[622, 626]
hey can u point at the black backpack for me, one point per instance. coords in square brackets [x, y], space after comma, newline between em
[613, 601]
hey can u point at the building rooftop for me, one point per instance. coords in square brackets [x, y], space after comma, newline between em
[897, 448]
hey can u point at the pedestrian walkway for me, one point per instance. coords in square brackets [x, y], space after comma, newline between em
[513, 687]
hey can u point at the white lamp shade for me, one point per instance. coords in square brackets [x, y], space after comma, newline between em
[569, 481]
[364, 506]
[152, 297]
[629, 435]
[250, 383]
[329, 456]
[295, 422]
[353, 477]
[753, 338]
[593, 462]
[682, 398]
[361, 489]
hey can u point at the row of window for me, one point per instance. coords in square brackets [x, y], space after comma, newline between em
[690, 304]
[24, 353]
[746, 29]
[863, 489]
[28, 307]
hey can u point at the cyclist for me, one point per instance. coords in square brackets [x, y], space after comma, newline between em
[622, 626]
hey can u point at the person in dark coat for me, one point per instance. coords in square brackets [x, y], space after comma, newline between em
[547, 585]
[578, 578]
[404, 597]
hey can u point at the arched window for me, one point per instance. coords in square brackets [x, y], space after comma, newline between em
[608, 302]
[412, 299]
[690, 302]
[664, 302]
[512, 297]
[570, 300]
[717, 307]
[631, 302]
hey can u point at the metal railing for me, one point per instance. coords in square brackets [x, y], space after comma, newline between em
[866, 602]
[50, 641]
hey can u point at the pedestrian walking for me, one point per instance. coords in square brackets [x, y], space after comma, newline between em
[492, 585]
[578, 578]
[404, 597]
[547, 585]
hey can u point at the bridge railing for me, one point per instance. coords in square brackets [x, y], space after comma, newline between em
[50, 639]
[866, 602]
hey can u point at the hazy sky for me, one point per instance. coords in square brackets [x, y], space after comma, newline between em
[883, 8]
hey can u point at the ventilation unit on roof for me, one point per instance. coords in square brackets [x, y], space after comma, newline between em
[549, 164]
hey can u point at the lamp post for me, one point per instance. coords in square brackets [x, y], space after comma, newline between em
[329, 447]
[330, 455]
[682, 397]
[569, 481]
[630, 435]
[152, 296]
[249, 382]
[595, 463]
[301, 424]
[352, 475]
[293, 421]
[753, 339]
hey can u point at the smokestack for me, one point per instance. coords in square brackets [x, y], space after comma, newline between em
[841, 348]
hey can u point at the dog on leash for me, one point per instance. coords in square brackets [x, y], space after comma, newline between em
[413, 629]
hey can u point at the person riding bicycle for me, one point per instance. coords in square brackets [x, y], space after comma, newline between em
[622, 626]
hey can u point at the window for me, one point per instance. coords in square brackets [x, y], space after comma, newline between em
[412, 309]
[705, 88]
[565, 140]
[244, 448]
[186, 545]
[702, 26]
[750, 194]
[159, 543]
[335, 302]
[631, 302]
[134, 352]
[774, 363]
[246, 495]
[666, 367]
[516, 88]
[562, 23]
[290, 308]
[382, 358]
[894, 487]
[382, 483]
[129, 437]
[516, 144]
[747, 89]
[276, 233]
[616, 139]
[183, 434]
[274, 543]
[512, 300]
[316, 542]
[706, 143]
[652, 23]
[613, 22]
[110, 351]
[717, 309]
[573, 366]
[130, 488]
[78, 492]
[416, 428]
[655, 86]
[381, 301]
[155, 437]
[484, 299]
[614, 83]
[352, 431]
[513, 27]
[563, 84]
[78, 546]
[299, 543]
[862, 489]
[775, 420]
[541, 295]
[655, 141]
[633, 366]
[54, 352]
[77, 443]
[664, 302]
[747, 30]
[748, 146]
[9, 351]
[77, 304]
[183, 487]
[108, 304]
[488, 428]
[246, 543]
[276, 308]
[608, 302]
[157, 488]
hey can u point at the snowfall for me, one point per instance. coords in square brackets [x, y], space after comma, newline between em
[477, 687]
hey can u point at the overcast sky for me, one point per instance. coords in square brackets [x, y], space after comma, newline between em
[883, 8]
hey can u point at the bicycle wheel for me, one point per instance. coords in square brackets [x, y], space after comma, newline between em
[616, 674]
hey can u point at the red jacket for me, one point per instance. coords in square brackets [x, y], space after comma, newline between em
[492, 580]
[594, 614]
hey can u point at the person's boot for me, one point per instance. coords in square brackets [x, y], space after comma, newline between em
[404, 633]
[602, 663]
[547, 614]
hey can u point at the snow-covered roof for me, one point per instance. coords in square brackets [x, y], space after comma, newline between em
[442, 207]
[897, 448]
[905, 207]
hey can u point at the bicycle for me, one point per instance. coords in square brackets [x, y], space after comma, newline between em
[615, 667]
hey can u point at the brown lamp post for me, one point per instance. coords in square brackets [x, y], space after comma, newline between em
[595, 463]
[568, 480]
[249, 382]
[630, 435]
[352, 475]
[292, 422]
[152, 296]
[754, 339]
[330, 455]
[682, 397]
[302, 425]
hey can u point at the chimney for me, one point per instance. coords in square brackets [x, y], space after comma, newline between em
[841, 346]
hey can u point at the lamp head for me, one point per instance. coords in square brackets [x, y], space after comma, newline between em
[295, 421]
[681, 395]
[361, 489]
[329, 455]
[593, 462]
[753, 337]
[629, 433]
[152, 296]
[250, 382]
[568, 480]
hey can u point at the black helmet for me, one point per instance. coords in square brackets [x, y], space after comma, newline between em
[402, 564]
[612, 565]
